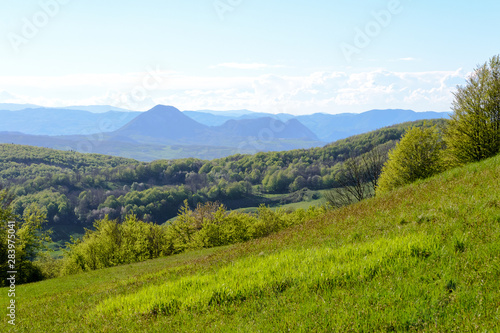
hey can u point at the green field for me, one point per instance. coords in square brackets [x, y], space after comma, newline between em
[423, 258]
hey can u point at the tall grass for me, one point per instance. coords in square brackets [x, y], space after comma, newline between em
[424, 258]
[309, 269]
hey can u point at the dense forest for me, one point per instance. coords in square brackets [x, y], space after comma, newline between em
[76, 189]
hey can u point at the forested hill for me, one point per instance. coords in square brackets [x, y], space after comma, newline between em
[68, 160]
[78, 188]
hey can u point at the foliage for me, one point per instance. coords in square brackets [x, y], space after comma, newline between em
[421, 259]
[417, 156]
[22, 245]
[473, 132]
[78, 189]
[111, 243]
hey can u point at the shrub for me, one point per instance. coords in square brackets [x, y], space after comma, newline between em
[417, 156]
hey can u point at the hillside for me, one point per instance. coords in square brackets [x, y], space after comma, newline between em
[406, 261]
[79, 188]
[291, 129]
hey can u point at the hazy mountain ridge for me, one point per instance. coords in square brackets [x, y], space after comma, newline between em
[167, 125]
[54, 121]
[329, 127]
[164, 132]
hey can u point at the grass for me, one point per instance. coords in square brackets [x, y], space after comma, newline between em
[257, 276]
[423, 258]
[302, 199]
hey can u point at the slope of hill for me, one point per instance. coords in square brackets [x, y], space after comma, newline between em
[405, 261]
[86, 190]
[168, 125]
[166, 133]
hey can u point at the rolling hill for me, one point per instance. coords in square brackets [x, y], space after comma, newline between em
[77, 186]
[267, 126]
[405, 261]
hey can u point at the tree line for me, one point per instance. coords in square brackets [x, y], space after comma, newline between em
[77, 189]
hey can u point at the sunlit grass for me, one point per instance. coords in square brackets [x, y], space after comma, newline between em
[425, 258]
[309, 269]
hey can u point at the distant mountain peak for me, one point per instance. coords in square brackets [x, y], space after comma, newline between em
[161, 122]
[291, 129]
[164, 108]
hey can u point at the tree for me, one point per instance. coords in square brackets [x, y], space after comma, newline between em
[473, 132]
[298, 184]
[28, 237]
[417, 156]
[358, 178]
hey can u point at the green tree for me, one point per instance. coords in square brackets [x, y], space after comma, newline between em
[417, 156]
[298, 184]
[473, 132]
[25, 243]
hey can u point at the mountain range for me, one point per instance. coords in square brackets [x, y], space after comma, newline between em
[327, 127]
[166, 132]
[53, 121]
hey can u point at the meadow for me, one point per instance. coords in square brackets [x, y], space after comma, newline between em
[425, 258]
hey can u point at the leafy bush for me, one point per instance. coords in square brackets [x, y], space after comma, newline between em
[208, 225]
[112, 244]
[417, 156]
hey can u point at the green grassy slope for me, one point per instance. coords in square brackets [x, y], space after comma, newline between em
[423, 258]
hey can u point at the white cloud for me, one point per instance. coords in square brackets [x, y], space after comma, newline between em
[332, 92]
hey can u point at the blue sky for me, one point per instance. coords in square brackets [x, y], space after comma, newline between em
[273, 56]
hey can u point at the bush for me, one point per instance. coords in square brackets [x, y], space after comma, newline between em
[208, 225]
[112, 244]
[417, 156]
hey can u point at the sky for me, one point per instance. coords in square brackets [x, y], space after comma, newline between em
[276, 56]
